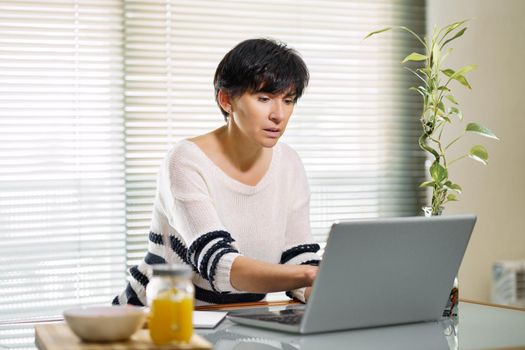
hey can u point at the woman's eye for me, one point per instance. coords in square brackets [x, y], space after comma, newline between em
[264, 99]
[288, 101]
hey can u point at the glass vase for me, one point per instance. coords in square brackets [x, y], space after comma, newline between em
[451, 309]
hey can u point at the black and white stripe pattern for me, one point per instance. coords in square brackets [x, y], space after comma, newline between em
[313, 262]
[300, 253]
[205, 252]
[132, 296]
[203, 256]
[226, 298]
[204, 262]
[205, 243]
[219, 254]
[180, 250]
[139, 276]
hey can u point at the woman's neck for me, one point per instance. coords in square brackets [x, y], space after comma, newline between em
[243, 153]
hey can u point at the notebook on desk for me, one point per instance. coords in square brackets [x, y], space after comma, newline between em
[378, 272]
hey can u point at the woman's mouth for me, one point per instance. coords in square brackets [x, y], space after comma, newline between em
[272, 132]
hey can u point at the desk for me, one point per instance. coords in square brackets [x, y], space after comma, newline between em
[480, 326]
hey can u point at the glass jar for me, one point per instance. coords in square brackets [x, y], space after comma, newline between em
[170, 295]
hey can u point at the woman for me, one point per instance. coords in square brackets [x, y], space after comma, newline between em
[234, 203]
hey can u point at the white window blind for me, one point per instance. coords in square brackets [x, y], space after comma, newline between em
[356, 128]
[94, 92]
[62, 200]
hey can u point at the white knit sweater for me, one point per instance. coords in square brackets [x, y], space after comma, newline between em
[204, 218]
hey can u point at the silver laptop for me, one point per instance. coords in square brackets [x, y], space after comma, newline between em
[378, 272]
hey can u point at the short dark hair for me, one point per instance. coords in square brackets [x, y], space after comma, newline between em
[261, 65]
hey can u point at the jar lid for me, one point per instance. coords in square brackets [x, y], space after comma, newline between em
[178, 270]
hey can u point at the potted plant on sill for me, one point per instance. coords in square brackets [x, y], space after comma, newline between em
[440, 109]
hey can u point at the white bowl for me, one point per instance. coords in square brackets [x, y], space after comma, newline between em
[105, 323]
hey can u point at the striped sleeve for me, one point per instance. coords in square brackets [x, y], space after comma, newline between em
[203, 256]
[139, 275]
[302, 254]
[207, 251]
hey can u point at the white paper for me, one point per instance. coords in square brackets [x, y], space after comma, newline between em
[207, 319]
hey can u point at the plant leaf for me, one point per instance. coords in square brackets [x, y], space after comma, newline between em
[454, 75]
[458, 34]
[425, 70]
[414, 34]
[462, 80]
[452, 197]
[416, 74]
[436, 53]
[481, 130]
[451, 27]
[416, 89]
[466, 69]
[452, 99]
[455, 187]
[448, 72]
[444, 88]
[448, 52]
[458, 75]
[414, 56]
[479, 153]
[420, 89]
[377, 32]
[427, 184]
[438, 172]
[457, 112]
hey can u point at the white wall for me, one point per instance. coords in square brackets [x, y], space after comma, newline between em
[495, 40]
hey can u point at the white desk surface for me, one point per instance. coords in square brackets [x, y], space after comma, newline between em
[480, 327]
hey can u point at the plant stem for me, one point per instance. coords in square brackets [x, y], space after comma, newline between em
[439, 192]
[455, 140]
[442, 126]
[455, 160]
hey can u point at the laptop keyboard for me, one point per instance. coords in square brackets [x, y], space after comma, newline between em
[289, 317]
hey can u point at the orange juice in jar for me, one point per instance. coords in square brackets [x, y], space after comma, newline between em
[170, 297]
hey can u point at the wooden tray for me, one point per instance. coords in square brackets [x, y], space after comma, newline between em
[58, 336]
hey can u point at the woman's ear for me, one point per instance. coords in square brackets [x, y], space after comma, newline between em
[225, 101]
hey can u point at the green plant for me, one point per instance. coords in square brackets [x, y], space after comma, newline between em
[440, 108]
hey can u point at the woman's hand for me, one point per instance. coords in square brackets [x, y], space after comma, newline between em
[307, 293]
[310, 274]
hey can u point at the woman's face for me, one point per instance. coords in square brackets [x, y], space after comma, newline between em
[262, 117]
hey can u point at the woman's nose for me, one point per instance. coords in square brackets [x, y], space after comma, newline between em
[277, 112]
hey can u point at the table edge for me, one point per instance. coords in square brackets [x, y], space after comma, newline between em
[500, 306]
